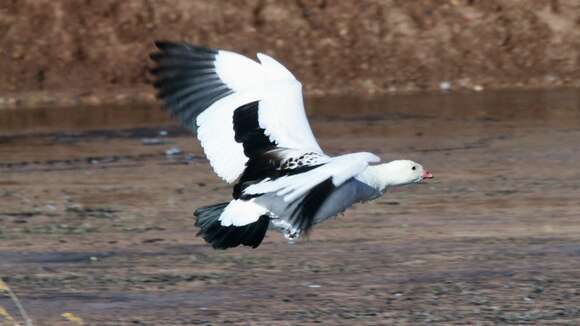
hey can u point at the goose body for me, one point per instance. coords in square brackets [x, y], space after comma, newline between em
[249, 117]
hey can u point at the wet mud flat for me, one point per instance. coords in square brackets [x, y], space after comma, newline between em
[96, 220]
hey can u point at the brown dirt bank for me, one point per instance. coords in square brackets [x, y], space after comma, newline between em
[332, 46]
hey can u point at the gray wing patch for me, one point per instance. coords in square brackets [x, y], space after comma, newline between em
[341, 198]
[349, 193]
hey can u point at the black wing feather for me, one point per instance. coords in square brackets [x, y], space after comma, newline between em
[248, 132]
[265, 158]
[304, 213]
[186, 79]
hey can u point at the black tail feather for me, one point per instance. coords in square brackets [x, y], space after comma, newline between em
[224, 237]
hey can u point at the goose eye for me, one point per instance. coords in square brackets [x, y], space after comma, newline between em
[414, 168]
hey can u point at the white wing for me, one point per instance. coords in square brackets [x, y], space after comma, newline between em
[339, 169]
[204, 87]
[282, 112]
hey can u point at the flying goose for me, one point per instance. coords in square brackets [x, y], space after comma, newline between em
[249, 117]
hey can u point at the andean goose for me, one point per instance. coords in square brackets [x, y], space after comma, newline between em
[249, 117]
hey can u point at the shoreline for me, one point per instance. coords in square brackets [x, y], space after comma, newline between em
[145, 95]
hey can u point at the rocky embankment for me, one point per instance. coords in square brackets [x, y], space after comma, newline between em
[335, 47]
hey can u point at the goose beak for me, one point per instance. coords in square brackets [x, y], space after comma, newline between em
[427, 175]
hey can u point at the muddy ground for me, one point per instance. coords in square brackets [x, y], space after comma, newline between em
[97, 221]
[334, 47]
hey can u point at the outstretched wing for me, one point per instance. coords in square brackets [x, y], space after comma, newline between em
[204, 87]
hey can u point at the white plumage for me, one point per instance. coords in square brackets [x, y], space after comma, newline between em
[241, 212]
[281, 114]
[216, 135]
[249, 117]
[281, 111]
[338, 169]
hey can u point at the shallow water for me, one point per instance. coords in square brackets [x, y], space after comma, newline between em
[95, 219]
[547, 106]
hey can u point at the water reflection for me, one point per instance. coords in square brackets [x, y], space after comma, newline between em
[528, 105]
[536, 106]
[89, 117]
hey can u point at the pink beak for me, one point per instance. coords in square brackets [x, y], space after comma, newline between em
[427, 175]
